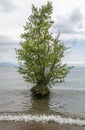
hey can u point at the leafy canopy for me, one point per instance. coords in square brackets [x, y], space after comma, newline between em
[40, 54]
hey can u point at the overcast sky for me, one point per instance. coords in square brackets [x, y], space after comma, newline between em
[69, 17]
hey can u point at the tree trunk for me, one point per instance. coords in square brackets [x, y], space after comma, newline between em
[40, 91]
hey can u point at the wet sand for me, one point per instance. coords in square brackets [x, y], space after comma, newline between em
[12, 125]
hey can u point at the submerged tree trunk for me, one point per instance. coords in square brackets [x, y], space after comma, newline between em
[40, 91]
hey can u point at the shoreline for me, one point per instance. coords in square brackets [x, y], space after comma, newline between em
[32, 125]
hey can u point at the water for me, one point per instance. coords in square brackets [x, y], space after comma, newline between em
[66, 103]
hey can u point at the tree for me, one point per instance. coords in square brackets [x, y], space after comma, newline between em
[40, 54]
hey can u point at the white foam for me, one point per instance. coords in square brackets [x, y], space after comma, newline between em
[41, 118]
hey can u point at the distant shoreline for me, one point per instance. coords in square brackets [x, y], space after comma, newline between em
[4, 64]
[8, 64]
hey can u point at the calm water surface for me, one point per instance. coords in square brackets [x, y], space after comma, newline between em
[66, 99]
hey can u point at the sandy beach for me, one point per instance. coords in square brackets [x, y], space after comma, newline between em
[12, 125]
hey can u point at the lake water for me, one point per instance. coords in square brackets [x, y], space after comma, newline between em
[66, 103]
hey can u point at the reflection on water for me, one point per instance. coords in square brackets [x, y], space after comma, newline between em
[40, 106]
[37, 106]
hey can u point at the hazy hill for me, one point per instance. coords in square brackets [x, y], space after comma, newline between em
[7, 64]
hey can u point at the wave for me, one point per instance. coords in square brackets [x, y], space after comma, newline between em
[42, 118]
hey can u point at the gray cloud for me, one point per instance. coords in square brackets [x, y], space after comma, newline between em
[6, 6]
[6, 40]
[72, 23]
[7, 49]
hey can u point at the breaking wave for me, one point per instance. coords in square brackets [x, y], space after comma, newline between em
[41, 118]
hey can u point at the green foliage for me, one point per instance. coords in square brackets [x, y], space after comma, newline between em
[40, 54]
